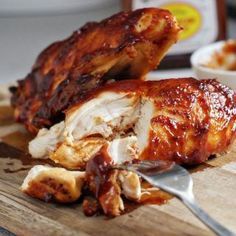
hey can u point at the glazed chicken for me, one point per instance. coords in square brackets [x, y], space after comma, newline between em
[124, 46]
[180, 120]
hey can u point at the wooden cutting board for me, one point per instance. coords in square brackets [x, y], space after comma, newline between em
[214, 188]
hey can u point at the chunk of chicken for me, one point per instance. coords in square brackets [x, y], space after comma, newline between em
[126, 45]
[53, 183]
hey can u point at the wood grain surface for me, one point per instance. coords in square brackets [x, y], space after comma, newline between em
[214, 188]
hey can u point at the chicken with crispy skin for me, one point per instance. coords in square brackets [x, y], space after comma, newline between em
[180, 120]
[124, 46]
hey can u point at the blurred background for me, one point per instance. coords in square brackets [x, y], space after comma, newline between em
[28, 26]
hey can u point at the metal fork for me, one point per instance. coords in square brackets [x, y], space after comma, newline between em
[176, 180]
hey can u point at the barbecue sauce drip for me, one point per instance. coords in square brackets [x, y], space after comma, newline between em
[103, 183]
[97, 170]
[102, 180]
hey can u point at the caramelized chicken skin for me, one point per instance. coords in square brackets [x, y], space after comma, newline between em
[191, 120]
[126, 45]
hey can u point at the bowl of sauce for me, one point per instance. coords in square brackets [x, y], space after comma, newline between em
[217, 60]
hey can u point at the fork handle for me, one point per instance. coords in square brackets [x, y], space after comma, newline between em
[205, 218]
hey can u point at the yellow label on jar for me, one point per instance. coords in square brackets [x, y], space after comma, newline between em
[187, 16]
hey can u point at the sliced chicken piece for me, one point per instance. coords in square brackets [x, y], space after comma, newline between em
[53, 183]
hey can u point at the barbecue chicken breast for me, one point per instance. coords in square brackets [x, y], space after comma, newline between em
[177, 120]
[53, 183]
[124, 46]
